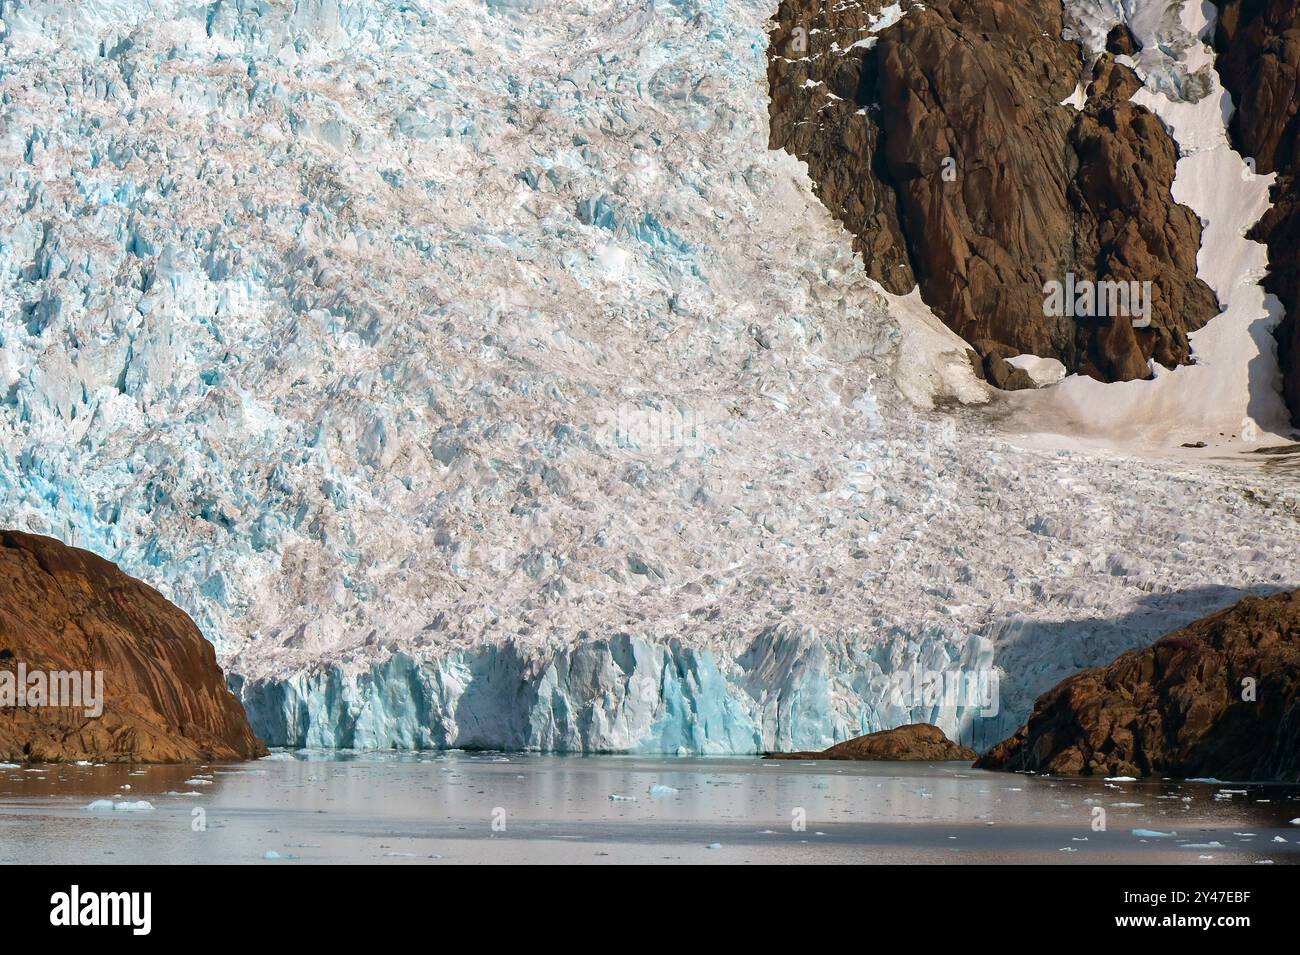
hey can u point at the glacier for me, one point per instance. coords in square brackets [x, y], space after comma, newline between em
[474, 376]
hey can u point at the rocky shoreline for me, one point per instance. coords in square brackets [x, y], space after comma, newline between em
[96, 665]
[1219, 698]
[916, 742]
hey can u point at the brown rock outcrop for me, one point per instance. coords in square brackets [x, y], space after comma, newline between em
[918, 742]
[1258, 42]
[940, 142]
[1180, 707]
[163, 696]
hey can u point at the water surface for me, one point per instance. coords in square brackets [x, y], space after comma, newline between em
[447, 808]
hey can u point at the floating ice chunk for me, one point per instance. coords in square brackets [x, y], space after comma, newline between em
[107, 805]
[197, 781]
[272, 854]
[1121, 779]
[615, 797]
[658, 789]
[1152, 834]
[714, 845]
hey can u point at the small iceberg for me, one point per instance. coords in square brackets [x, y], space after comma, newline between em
[1152, 834]
[107, 805]
[658, 789]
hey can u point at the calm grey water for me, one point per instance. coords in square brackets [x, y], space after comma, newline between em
[446, 808]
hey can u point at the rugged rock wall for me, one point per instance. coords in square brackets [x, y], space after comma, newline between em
[1219, 698]
[1258, 42]
[163, 695]
[939, 139]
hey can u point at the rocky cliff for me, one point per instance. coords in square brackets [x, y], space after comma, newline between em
[940, 135]
[78, 636]
[1258, 42]
[1219, 698]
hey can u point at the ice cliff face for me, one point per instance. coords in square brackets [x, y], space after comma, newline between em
[474, 375]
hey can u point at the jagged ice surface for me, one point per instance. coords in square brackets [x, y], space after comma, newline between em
[476, 377]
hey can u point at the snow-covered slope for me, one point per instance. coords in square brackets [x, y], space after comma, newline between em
[1231, 397]
[474, 375]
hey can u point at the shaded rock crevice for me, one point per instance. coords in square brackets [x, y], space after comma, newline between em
[955, 166]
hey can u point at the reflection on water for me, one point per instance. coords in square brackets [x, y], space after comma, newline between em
[442, 808]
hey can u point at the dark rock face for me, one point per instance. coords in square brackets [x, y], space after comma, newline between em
[919, 742]
[940, 143]
[1177, 708]
[163, 696]
[1258, 42]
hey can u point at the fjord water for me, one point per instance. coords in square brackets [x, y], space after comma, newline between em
[456, 807]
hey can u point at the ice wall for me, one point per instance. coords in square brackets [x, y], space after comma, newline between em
[787, 691]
